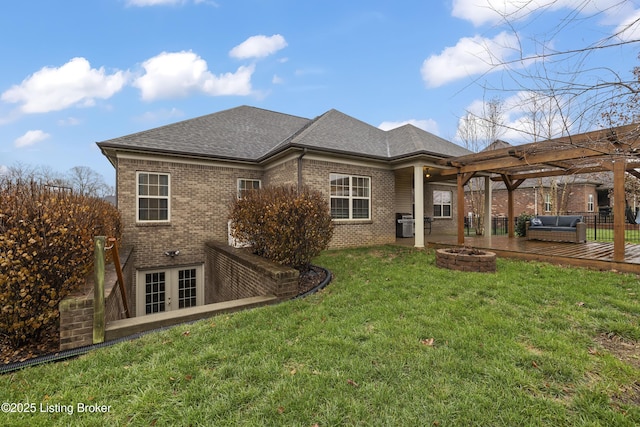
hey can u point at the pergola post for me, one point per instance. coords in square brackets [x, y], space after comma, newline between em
[487, 206]
[619, 203]
[418, 203]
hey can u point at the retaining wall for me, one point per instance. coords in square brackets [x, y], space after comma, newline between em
[76, 310]
[236, 273]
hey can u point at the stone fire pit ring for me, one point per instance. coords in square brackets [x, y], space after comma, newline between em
[466, 259]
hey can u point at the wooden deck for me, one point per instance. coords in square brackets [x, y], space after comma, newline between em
[596, 255]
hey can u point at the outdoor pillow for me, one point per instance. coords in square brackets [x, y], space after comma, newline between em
[575, 222]
[536, 221]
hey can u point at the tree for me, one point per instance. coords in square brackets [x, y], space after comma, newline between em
[87, 182]
[478, 130]
[81, 180]
[575, 84]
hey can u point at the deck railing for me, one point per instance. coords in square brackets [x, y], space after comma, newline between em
[599, 226]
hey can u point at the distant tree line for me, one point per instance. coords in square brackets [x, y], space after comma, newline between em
[80, 180]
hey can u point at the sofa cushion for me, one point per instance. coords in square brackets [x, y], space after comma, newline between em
[571, 229]
[543, 228]
[568, 220]
[549, 220]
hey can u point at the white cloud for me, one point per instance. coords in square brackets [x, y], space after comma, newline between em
[481, 12]
[30, 138]
[470, 56]
[69, 121]
[177, 74]
[428, 125]
[74, 83]
[277, 80]
[629, 28]
[4, 170]
[258, 47]
[526, 117]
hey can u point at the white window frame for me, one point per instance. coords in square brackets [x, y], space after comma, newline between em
[590, 203]
[157, 197]
[350, 197]
[171, 275]
[443, 204]
[240, 189]
[547, 203]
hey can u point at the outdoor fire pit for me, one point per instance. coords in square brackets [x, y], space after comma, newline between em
[466, 259]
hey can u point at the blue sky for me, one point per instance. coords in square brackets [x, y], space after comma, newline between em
[77, 72]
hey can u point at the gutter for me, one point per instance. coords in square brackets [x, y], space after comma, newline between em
[304, 151]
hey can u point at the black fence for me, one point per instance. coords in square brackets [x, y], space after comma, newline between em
[599, 226]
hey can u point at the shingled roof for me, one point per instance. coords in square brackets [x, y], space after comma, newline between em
[254, 134]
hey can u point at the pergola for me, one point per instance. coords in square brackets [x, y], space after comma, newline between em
[614, 149]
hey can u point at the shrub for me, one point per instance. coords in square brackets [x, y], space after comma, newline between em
[521, 225]
[283, 224]
[46, 252]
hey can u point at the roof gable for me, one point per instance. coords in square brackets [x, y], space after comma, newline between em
[239, 133]
[409, 139]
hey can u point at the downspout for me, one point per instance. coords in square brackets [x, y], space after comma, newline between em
[304, 151]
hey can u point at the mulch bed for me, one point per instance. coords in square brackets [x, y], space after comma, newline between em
[310, 279]
[51, 343]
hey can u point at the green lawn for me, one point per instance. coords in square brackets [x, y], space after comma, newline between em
[392, 341]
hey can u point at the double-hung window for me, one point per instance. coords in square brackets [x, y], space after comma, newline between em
[350, 196]
[245, 185]
[547, 202]
[153, 197]
[442, 204]
[590, 203]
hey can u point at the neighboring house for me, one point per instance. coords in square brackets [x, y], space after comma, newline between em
[175, 184]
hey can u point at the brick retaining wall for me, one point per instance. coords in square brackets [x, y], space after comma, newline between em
[76, 310]
[235, 273]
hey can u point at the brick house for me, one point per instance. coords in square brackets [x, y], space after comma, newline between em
[175, 183]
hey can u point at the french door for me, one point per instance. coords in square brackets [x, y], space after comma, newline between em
[169, 289]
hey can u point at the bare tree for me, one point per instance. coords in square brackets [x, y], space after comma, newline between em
[84, 180]
[573, 81]
[478, 130]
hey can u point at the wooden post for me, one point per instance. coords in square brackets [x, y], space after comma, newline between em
[618, 209]
[488, 200]
[116, 263]
[98, 289]
[510, 213]
[460, 206]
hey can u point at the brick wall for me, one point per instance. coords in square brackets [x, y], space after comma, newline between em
[76, 310]
[347, 233]
[199, 207]
[237, 273]
[524, 199]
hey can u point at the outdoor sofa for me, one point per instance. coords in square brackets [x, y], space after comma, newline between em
[557, 228]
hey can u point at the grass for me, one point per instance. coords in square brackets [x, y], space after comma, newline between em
[393, 341]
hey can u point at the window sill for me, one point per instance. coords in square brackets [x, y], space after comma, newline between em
[153, 224]
[351, 221]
